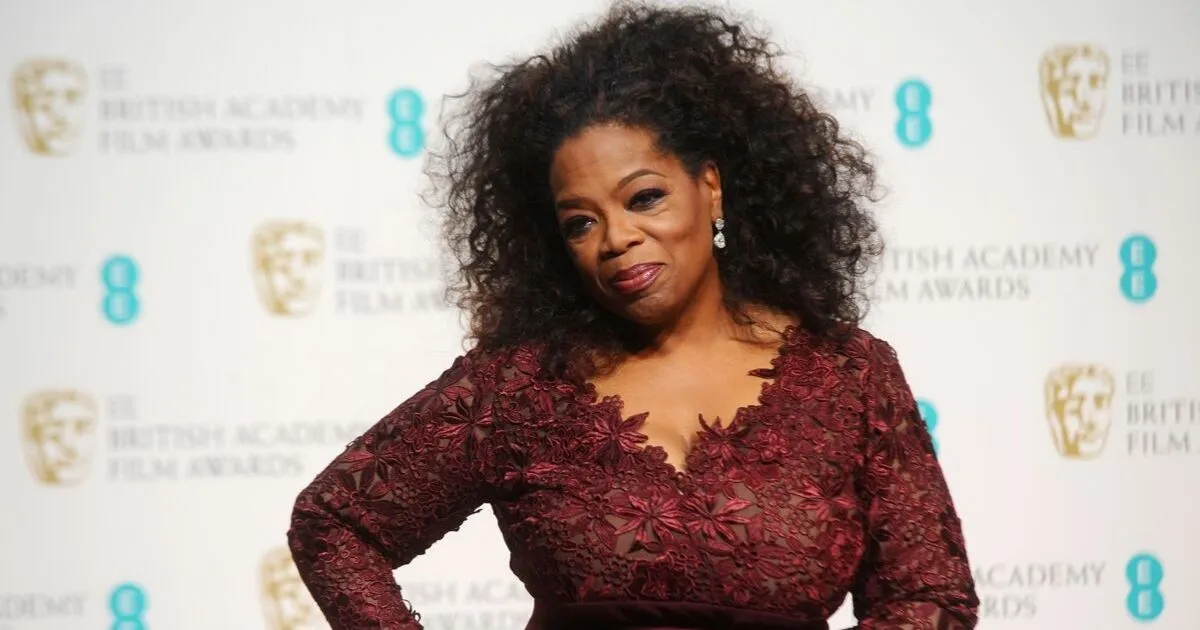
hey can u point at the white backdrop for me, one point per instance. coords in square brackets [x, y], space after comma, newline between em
[167, 400]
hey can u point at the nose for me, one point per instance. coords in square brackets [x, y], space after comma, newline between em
[620, 234]
[1087, 414]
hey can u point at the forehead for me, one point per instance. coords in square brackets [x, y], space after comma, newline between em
[288, 240]
[605, 152]
[56, 79]
[62, 408]
[295, 239]
[1084, 64]
[1088, 384]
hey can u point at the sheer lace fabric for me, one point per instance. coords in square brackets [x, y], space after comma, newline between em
[827, 486]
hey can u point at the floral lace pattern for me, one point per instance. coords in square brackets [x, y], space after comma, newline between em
[827, 486]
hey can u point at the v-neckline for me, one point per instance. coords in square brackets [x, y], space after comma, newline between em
[658, 454]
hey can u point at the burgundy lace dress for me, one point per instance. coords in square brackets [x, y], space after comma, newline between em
[827, 486]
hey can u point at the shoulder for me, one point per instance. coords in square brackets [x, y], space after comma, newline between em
[495, 365]
[853, 348]
[853, 367]
[874, 364]
[863, 361]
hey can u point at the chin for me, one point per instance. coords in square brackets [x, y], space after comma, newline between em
[646, 311]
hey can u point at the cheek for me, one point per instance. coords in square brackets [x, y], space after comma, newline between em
[584, 257]
[685, 239]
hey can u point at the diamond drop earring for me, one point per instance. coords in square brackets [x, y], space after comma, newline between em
[719, 237]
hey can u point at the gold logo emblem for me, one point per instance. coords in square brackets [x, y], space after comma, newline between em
[58, 431]
[1079, 409]
[287, 266]
[1074, 89]
[50, 95]
[285, 600]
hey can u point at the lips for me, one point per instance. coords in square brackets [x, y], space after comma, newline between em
[635, 278]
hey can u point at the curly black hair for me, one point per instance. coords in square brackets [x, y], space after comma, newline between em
[793, 184]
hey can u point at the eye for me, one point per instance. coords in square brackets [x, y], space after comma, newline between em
[647, 198]
[575, 226]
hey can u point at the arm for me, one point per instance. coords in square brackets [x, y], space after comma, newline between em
[414, 476]
[915, 575]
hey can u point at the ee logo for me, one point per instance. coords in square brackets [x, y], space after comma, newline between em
[1138, 255]
[930, 415]
[914, 127]
[127, 604]
[119, 274]
[1144, 574]
[405, 109]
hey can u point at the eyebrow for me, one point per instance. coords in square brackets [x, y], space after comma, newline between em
[636, 174]
[567, 203]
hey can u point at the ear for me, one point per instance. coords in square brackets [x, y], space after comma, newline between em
[710, 179]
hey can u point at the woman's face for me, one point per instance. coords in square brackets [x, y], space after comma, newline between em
[637, 225]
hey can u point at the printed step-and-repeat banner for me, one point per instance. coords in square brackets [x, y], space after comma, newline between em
[215, 272]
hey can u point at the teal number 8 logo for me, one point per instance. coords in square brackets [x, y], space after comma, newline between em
[913, 100]
[119, 275]
[1138, 255]
[930, 415]
[127, 605]
[405, 109]
[1145, 574]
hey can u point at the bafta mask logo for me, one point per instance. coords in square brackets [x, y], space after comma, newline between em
[58, 430]
[1074, 89]
[1079, 409]
[285, 600]
[50, 94]
[287, 266]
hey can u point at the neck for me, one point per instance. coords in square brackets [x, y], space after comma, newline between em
[706, 322]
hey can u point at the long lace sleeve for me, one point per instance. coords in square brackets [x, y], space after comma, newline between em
[414, 476]
[916, 575]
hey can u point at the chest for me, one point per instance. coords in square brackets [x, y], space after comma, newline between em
[767, 507]
[673, 404]
[681, 396]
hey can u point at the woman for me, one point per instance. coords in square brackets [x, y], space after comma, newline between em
[669, 404]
